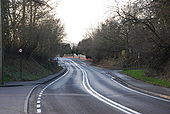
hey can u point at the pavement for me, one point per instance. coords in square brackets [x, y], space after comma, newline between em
[140, 85]
[14, 96]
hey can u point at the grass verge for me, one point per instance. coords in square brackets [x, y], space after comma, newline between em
[32, 70]
[139, 74]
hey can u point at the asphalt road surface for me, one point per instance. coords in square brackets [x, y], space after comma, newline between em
[83, 89]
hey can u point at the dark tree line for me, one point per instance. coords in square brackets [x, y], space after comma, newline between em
[30, 25]
[139, 33]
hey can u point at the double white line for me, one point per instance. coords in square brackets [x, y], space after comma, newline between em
[101, 97]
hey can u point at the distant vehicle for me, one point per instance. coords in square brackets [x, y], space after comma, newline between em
[88, 57]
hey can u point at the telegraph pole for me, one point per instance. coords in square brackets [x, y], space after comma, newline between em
[1, 46]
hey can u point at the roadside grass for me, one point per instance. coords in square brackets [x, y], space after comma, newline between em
[7, 78]
[16, 77]
[139, 74]
[10, 75]
[31, 70]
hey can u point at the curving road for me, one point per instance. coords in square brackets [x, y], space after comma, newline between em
[84, 89]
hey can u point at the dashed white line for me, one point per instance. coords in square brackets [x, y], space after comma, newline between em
[27, 98]
[38, 105]
[38, 102]
[42, 91]
[39, 98]
[38, 110]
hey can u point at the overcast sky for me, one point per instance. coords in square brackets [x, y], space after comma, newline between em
[79, 15]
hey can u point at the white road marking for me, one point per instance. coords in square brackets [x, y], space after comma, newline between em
[101, 97]
[38, 105]
[158, 98]
[38, 110]
[38, 102]
[27, 98]
[112, 79]
[42, 91]
[39, 98]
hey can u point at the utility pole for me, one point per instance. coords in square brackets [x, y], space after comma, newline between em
[1, 46]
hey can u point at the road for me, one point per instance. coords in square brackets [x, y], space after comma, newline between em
[84, 89]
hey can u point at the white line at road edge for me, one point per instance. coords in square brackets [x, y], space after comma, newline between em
[38, 109]
[101, 97]
[141, 92]
[145, 94]
[27, 98]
